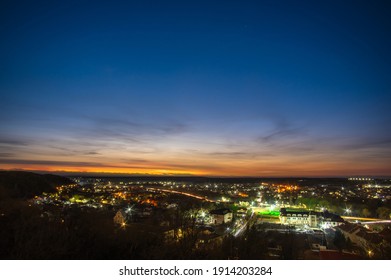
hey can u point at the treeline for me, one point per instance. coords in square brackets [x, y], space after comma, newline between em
[26, 233]
[20, 184]
[370, 208]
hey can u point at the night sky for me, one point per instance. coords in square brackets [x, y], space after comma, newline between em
[215, 88]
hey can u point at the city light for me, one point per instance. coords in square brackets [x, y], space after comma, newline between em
[129, 209]
[156, 201]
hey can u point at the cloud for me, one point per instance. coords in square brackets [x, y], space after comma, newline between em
[366, 142]
[125, 127]
[282, 134]
[13, 142]
[231, 154]
[173, 128]
[130, 164]
[132, 161]
[64, 151]
[283, 129]
[51, 163]
[84, 165]
[91, 153]
[3, 155]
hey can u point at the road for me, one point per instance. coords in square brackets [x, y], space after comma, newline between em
[365, 220]
[249, 221]
[183, 193]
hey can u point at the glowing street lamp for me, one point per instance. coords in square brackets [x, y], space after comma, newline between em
[129, 209]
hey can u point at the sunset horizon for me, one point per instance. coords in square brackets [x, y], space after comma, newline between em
[166, 173]
[211, 89]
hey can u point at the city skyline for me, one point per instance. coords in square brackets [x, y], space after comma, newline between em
[197, 88]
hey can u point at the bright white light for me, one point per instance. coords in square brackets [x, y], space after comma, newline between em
[324, 226]
[129, 209]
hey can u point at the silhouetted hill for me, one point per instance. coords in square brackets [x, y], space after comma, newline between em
[20, 184]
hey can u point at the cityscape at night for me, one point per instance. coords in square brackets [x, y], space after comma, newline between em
[195, 130]
[194, 217]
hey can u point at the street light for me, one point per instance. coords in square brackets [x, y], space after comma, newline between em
[129, 209]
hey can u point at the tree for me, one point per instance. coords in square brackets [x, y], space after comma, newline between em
[383, 212]
[366, 213]
[339, 240]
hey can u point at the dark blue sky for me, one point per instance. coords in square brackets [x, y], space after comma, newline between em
[196, 87]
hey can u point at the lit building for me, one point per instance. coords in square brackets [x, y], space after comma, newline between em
[121, 217]
[221, 216]
[360, 179]
[312, 219]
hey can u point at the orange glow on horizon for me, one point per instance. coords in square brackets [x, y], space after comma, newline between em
[225, 171]
[119, 170]
[198, 164]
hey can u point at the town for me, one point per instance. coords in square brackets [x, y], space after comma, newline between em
[286, 218]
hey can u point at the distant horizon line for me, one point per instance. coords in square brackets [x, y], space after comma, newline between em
[114, 174]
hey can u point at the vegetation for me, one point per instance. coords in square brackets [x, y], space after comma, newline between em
[374, 208]
[19, 184]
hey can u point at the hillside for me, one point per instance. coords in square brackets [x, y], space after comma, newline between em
[20, 184]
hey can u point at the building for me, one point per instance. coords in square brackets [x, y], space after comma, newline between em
[329, 220]
[311, 219]
[207, 237]
[121, 217]
[221, 216]
[297, 217]
[374, 243]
